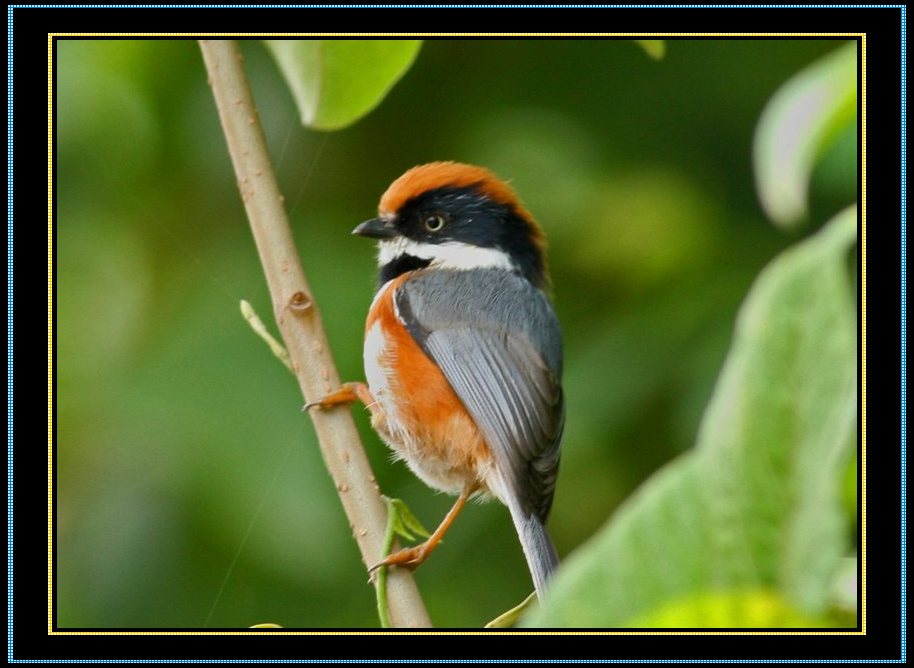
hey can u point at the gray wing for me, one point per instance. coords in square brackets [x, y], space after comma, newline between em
[497, 341]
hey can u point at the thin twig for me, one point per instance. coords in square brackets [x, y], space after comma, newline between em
[383, 605]
[300, 323]
[261, 330]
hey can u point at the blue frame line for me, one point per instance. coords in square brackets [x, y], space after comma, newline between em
[10, 147]
[466, 661]
[451, 6]
[9, 329]
[904, 221]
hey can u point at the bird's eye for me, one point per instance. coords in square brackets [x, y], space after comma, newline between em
[434, 222]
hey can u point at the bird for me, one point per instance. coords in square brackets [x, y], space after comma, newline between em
[463, 351]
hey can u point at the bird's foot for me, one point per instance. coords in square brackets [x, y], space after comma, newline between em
[347, 394]
[410, 558]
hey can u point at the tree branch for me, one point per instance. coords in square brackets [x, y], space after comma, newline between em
[300, 323]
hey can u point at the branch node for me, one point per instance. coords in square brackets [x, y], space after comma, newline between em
[300, 302]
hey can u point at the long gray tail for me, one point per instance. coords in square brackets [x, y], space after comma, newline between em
[542, 559]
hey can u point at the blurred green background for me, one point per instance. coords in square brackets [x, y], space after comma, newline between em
[190, 489]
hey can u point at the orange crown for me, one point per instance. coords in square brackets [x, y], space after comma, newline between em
[434, 175]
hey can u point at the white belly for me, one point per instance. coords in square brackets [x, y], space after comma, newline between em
[377, 376]
[435, 470]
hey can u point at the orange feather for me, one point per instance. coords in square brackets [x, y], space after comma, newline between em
[423, 178]
[429, 409]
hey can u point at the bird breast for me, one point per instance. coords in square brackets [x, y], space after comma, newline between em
[417, 413]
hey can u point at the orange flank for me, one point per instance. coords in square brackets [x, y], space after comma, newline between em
[430, 413]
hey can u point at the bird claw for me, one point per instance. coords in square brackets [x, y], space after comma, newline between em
[409, 558]
[322, 403]
[346, 395]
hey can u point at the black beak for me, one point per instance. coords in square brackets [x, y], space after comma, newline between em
[376, 228]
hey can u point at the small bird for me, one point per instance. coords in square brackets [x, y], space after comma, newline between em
[463, 352]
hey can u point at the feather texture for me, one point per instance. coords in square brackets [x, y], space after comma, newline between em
[497, 341]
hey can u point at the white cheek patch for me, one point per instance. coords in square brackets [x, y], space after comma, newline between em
[447, 255]
[456, 255]
[388, 251]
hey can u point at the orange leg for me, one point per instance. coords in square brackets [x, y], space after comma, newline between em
[347, 394]
[412, 557]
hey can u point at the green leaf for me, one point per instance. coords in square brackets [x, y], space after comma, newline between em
[801, 121]
[336, 82]
[510, 617]
[850, 490]
[405, 523]
[400, 522]
[743, 610]
[844, 589]
[757, 504]
[655, 48]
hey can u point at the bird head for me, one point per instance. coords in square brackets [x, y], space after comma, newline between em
[449, 215]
